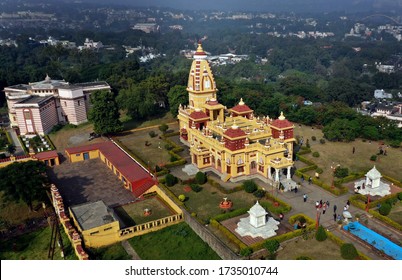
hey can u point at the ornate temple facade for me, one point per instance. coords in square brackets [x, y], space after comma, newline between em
[233, 143]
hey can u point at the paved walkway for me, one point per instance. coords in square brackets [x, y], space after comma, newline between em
[130, 250]
[18, 149]
[314, 194]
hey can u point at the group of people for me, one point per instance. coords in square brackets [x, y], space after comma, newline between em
[320, 205]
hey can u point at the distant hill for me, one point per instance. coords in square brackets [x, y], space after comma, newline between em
[267, 5]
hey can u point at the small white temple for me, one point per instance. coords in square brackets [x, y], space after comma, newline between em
[258, 224]
[372, 184]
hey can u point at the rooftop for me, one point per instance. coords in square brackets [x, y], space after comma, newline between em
[92, 214]
[35, 99]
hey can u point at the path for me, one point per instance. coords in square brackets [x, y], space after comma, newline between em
[130, 250]
[18, 148]
[149, 127]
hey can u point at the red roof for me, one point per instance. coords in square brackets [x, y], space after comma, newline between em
[241, 108]
[135, 173]
[235, 132]
[282, 123]
[198, 115]
[46, 155]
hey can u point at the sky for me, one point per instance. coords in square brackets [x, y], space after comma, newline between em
[265, 5]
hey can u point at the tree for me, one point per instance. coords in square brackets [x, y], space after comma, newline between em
[272, 245]
[177, 95]
[104, 113]
[320, 234]
[246, 252]
[200, 178]
[348, 251]
[250, 186]
[385, 209]
[24, 181]
[163, 128]
[11, 148]
[170, 179]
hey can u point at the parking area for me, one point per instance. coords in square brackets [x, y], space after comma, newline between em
[89, 181]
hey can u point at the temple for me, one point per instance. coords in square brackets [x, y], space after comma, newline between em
[233, 143]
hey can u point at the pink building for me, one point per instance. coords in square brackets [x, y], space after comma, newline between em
[37, 107]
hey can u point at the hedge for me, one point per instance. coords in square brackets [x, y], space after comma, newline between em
[231, 214]
[50, 142]
[222, 189]
[392, 180]
[228, 234]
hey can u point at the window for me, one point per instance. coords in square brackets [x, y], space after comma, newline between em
[240, 169]
[79, 103]
[65, 103]
[240, 161]
[27, 114]
[95, 232]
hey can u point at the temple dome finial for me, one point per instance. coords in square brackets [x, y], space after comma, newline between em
[282, 117]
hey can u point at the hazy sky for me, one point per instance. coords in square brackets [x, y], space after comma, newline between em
[264, 5]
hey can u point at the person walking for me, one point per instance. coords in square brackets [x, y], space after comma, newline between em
[335, 217]
[304, 197]
[335, 208]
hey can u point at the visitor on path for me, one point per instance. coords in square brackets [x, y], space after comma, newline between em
[304, 197]
[309, 180]
[281, 216]
[334, 217]
[335, 208]
[296, 189]
[339, 217]
[317, 204]
[302, 178]
[324, 208]
[327, 203]
[353, 150]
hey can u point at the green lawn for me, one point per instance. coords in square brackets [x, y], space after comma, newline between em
[154, 152]
[112, 252]
[133, 214]
[177, 242]
[315, 250]
[206, 202]
[34, 246]
[130, 123]
[396, 213]
[333, 153]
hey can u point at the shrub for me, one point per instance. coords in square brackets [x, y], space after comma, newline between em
[200, 178]
[196, 187]
[152, 134]
[168, 147]
[319, 170]
[395, 143]
[400, 196]
[173, 158]
[316, 154]
[348, 251]
[170, 180]
[245, 252]
[163, 127]
[272, 245]
[303, 258]
[320, 234]
[313, 138]
[182, 197]
[260, 193]
[341, 172]
[250, 186]
[385, 208]
[322, 141]
[373, 158]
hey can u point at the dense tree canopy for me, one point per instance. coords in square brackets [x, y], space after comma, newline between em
[24, 181]
[104, 113]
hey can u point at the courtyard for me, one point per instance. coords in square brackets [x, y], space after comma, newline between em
[89, 181]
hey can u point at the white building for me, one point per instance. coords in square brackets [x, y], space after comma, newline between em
[381, 94]
[35, 108]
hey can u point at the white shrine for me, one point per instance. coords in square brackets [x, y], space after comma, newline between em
[257, 224]
[372, 184]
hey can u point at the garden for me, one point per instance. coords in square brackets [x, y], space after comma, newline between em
[150, 209]
[177, 242]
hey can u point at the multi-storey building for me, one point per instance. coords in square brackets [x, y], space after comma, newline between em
[232, 143]
[36, 107]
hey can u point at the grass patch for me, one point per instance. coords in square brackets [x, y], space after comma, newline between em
[129, 123]
[133, 214]
[206, 202]
[396, 213]
[150, 149]
[316, 250]
[342, 153]
[35, 246]
[179, 242]
[112, 252]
